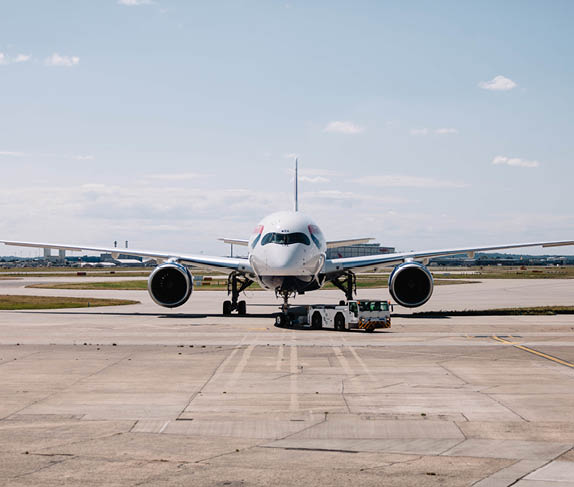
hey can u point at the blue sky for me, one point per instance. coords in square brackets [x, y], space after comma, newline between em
[170, 123]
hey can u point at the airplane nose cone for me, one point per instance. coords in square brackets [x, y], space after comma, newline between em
[287, 261]
[282, 261]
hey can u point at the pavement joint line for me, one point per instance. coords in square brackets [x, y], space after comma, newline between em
[60, 391]
[533, 351]
[211, 377]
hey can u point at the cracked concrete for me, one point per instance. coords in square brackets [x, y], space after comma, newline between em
[208, 400]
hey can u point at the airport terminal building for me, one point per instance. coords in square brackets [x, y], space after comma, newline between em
[358, 250]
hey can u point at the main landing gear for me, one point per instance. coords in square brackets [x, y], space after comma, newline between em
[236, 283]
[347, 283]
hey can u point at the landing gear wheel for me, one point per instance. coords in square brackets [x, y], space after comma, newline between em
[283, 321]
[226, 308]
[316, 321]
[241, 308]
[339, 322]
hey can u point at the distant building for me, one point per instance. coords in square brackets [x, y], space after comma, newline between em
[358, 250]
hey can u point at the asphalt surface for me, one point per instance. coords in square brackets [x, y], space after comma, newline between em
[140, 395]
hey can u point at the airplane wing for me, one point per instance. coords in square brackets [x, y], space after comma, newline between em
[330, 244]
[223, 264]
[343, 243]
[376, 262]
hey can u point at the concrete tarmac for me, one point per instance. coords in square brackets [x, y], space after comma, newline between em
[140, 395]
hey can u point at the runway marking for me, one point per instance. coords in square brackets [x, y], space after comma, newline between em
[294, 400]
[223, 365]
[343, 361]
[535, 352]
[362, 363]
[280, 353]
[165, 425]
[240, 366]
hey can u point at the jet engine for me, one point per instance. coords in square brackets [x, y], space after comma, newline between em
[411, 284]
[170, 284]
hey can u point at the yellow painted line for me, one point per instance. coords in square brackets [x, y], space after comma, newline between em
[535, 352]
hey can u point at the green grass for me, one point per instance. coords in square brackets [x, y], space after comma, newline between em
[501, 272]
[533, 311]
[7, 275]
[117, 285]
[9, 302]
[139, 285]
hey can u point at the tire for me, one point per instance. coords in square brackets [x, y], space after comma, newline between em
[284, 321]
[226, 308]
[340, 322]
[316, 321]
[242, 308]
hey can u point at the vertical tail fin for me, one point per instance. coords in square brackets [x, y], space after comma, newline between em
[296, 185]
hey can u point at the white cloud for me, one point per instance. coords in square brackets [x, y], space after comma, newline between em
[313, 175]
[498, 83]
[446, 131]
[135, 3]
[290, 155]
[64, 61]
[314, 179]
[22, 58]
[440, 131]
[79, 157]
[514, 162]
[310, 171]
[401, 181]
[343, 128]
[176, 176]
[3, 59]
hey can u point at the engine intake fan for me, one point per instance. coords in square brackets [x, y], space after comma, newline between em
[411, 284]
[170, 285]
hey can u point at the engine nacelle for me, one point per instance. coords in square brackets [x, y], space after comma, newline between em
[170, 285]
[411, 284]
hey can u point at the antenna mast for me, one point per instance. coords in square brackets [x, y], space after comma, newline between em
[296, 185]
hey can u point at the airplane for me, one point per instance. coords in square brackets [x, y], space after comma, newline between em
[287, 254]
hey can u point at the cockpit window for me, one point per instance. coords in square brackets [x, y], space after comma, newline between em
[285, 238]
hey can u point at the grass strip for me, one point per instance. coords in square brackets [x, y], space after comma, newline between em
[527, 311]
[12, 302]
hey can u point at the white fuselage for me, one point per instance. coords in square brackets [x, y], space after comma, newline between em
[287, 252]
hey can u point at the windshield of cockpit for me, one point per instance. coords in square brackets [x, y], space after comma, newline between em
[285, 238]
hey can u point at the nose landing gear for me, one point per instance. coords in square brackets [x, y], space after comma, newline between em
[284, 319]
[236, 283]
